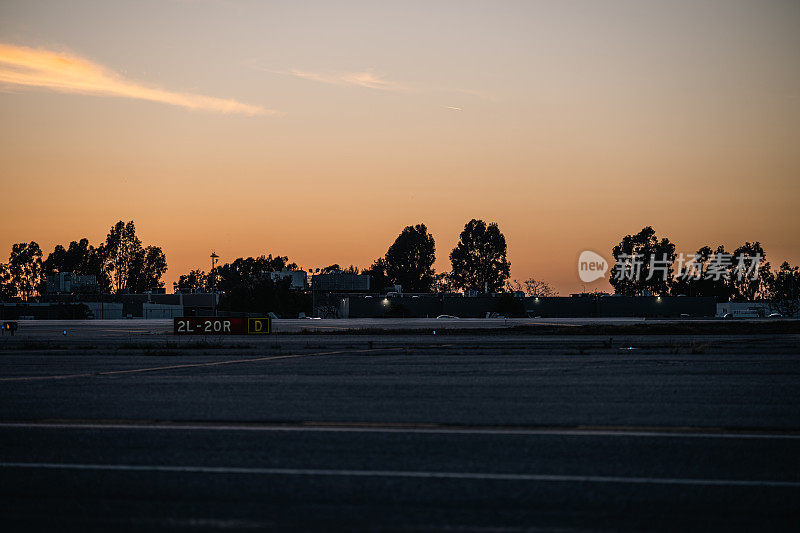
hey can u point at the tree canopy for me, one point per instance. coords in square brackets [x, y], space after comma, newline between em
[643, 264]
[247, 286]
[25, 268]
[749, 285]
[131, 267]
[409, 260]
[784, 289]
[246, 270]
[479, 259]
[194, 280]
[532, 287]
[80, 258]
[7, 288]
[742, 275]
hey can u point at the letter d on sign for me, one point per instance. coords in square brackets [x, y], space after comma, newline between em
[258, 326]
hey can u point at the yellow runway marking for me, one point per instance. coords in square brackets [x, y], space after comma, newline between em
[191, 365]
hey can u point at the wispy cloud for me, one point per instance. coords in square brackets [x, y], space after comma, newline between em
[21, 66]
[368, 79]
[357, 79]
[372, 81]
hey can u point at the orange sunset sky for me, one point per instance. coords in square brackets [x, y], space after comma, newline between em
[318, 130]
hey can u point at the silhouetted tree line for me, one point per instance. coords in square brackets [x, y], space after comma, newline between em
[120, 264]
[247, 285]
[710, 272]
[479, 261]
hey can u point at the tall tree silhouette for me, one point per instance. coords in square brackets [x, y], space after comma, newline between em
[149, 265]
[128, 265]
[409, 260]
[25, 268]
[646, 257]
[121, 248]
[749, 272]
[479, 259]
[784, 289]
[7, 288]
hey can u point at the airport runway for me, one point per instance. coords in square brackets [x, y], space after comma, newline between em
[405, 432]
[99, 329]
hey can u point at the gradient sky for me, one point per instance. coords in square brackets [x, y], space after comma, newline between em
[320, 130]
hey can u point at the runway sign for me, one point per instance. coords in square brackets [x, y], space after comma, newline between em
[200, 325]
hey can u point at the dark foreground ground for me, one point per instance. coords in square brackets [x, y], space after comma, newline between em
[468, 432]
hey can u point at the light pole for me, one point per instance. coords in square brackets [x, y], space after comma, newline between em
[214, 258]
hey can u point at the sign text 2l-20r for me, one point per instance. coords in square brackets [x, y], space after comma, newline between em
[198, 325]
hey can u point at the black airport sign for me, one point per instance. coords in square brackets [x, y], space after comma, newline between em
[202, 325]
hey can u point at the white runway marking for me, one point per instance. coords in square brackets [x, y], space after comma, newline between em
[700, 433]
[192, 365]
[406, 474]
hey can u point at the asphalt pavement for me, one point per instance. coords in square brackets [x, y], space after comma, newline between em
[402, 432]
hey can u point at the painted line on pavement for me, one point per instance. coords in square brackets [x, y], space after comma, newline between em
[479, 476]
